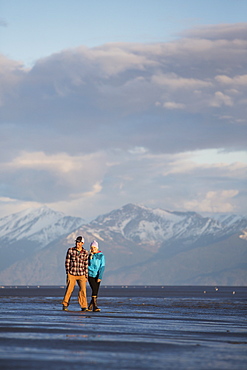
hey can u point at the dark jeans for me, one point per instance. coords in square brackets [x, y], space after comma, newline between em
[94, 285]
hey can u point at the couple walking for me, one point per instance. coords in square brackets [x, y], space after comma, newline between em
[81, 267]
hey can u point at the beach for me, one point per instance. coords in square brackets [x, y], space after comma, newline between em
[141, 327]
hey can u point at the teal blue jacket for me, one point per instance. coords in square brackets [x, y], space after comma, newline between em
[96, 265]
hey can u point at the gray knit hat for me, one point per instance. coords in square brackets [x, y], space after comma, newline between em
[94, 244]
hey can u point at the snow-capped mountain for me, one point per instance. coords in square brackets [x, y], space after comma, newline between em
[230, 221]
[24, 233]
[141, 245]
[141, 225]
[40, 225]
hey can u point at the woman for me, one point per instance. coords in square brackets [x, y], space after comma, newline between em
[96, 267]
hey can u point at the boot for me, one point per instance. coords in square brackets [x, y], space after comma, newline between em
[90, 307]
[95, 307]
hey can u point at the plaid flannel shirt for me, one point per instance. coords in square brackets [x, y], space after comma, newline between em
[76, 263]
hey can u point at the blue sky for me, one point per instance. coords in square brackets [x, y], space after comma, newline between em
[35, 29]
[115, 102]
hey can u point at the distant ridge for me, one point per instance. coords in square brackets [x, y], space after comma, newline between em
[25, 232]
[143, 246]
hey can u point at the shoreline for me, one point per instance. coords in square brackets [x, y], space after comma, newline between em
[182, 291]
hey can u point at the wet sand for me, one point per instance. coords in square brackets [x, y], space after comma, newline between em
[138, 328]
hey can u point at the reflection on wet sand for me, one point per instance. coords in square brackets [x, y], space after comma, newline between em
[138, 328]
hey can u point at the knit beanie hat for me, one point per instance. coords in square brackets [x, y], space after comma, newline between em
[94, 244]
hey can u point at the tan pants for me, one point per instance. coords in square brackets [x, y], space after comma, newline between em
[82, 294]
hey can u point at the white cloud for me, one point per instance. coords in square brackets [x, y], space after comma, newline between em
[221, 99]
[191, 163]
[96, 188]
[213, 201]
[235, 81]
[6, 200]
[173, 81]
[61, 162]
[138, 150]
[173, 105]
[10, 205]
[86, 128]
[42, 177]
[137, 175]
[11, 75]
[215, 156]
[235, 31]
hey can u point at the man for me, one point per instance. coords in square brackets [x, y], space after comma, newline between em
[76, 265]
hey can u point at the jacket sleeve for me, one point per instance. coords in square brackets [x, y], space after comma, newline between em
[86, 263]
[102, 267]
[67, 261]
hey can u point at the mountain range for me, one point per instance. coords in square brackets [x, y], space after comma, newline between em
[142, 246]
[24, 233]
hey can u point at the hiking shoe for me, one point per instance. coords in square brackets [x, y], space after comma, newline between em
[96, 309]
[65, 308]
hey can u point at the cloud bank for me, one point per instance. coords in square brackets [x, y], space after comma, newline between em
[97, 128]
